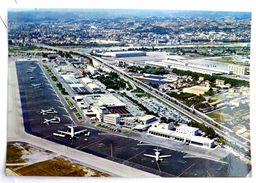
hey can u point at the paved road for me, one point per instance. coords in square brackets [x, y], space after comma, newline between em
[16, 133]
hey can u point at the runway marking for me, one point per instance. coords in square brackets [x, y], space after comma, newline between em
[158, 166]
[202, 157]
[186, 170]
[208, 173]
[134, 156]
[86, 146]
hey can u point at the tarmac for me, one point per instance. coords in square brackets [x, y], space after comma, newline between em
[16, 132]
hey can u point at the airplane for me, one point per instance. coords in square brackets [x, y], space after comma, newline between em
[55, 120]
[48, 111]
[72, 132]
[157, 156]
[39, 85]
[29, 71]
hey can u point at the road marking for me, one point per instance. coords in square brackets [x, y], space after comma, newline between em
[134, 156]
[186, 170]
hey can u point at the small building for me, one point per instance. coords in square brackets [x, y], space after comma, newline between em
[92, 70]
[219, 82]
[61, 61]
[112, 119]
[200, 79]
[52, 56]
[94, 88]
[81, 60]
[148, 119]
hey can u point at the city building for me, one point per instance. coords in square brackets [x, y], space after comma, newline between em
[219, 82]
[112, 119]
[52, 56]
[92, 70]
[238, 69]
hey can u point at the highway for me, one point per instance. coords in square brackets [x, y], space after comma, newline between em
[220, 129]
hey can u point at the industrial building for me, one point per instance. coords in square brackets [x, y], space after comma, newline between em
[183, 133]
[91, 85]
[185, 65]
[125, 54]
[112, 119]
[102, 104]
[147, 119]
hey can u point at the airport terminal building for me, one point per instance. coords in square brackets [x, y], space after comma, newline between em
[182, 133]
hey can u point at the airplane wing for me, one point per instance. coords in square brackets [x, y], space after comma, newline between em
[165, 156]
[78, 132]
[149, 155]
[63, 132]
[55, 122]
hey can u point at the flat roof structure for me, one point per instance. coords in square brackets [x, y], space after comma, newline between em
[197, 90]
[108, 100]
[162, 131]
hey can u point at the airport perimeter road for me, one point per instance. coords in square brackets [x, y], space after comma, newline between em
[16, 133]
[231, 136]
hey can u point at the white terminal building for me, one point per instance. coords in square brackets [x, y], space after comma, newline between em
[182, 133]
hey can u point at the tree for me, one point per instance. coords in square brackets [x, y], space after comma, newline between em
[164, 119]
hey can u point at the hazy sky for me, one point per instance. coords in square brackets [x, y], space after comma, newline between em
[229, 5]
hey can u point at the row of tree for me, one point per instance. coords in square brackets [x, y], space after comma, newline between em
[196, 75]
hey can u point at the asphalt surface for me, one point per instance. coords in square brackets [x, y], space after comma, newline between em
[119, 149]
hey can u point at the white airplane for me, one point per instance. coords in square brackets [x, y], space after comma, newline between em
[39, 85]
[157, 155]
[48, 111]
[72, 132]
[55, 120]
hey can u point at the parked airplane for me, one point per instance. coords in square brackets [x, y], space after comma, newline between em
[55, 120]
[31, 69]
[48, 111]
[157, 156]
[72, 132]
[39, 85]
